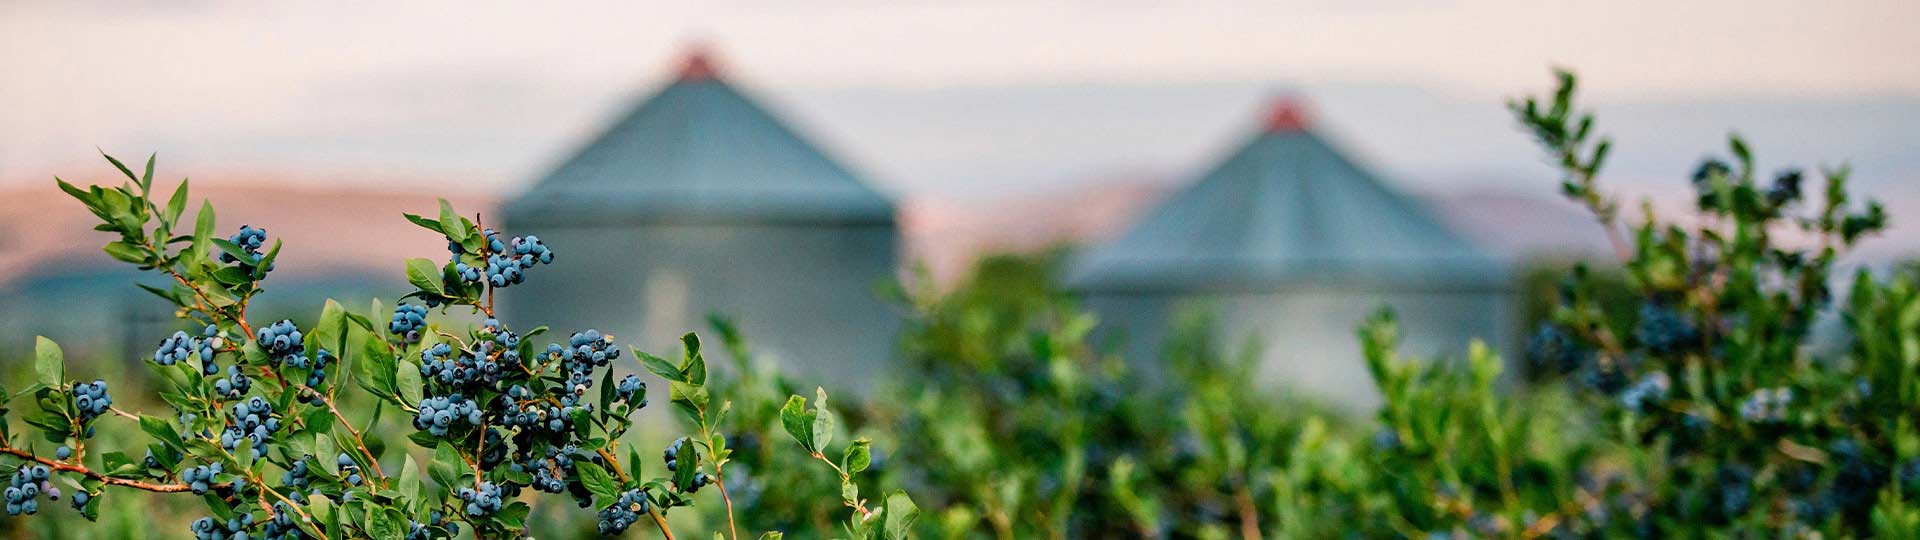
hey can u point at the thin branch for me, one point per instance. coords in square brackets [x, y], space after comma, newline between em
[90, 473]
[357, 440]
[614, 464]
[660, 521]
[720, 481]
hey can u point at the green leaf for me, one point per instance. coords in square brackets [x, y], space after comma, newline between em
[685, 466]
[409, 482]
[146, 180]
[122, 166]
[425, 275]
[231, 249]
[162, 431]
[407, 378]
[175, 206]
[330, 331]
[798, 421]
[232, 275]
[598, 482]
[822, 420]
[423, 222]
[658, 366]
[691, 400]
[322, 510]
[125, 252]
[693, 363]
[446, 467]
[633, 466]
[386, 524]
[203, 228]
[49, 364]
[858, 456]
[901, 513]
[450, 223]
[514, 515]
[85, 197]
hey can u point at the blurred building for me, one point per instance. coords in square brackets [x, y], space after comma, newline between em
[1289, 242]
[698, 202]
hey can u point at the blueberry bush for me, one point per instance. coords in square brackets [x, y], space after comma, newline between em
[276, 429]
[1720, 378]
[1711, 385]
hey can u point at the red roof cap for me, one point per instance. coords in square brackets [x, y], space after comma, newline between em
[696, 64]
[1288, 115]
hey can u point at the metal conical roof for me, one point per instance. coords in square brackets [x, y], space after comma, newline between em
[700, 150]
[1286, 209]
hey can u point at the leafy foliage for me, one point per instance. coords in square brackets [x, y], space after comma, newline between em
[1719, 383]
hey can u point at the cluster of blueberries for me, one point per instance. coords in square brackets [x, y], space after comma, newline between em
[585, 351]
[438, 414]
[553, 468]
[624, 513]
[234, 385]
[422, 531]
[25, 487]
[508, 262]
[483, 501]
[283, 344]
[297, 476]
[523, 410]
[316, 371]
[249, 239]
[281, 340]
[408, 320]
[252, 421]
[281, 526]
[463, 370]
[630, 386]
[91, 400]
[348, 468]
[200, 478]
[177, 347]
[207, 528]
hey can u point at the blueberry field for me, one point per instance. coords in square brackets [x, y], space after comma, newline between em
[1721, 375]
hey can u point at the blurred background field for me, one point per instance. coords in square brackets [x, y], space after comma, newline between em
[1008, 233]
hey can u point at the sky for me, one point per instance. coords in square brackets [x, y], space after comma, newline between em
[960, 99]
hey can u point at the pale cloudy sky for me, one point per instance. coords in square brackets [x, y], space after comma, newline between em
[930, 97]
